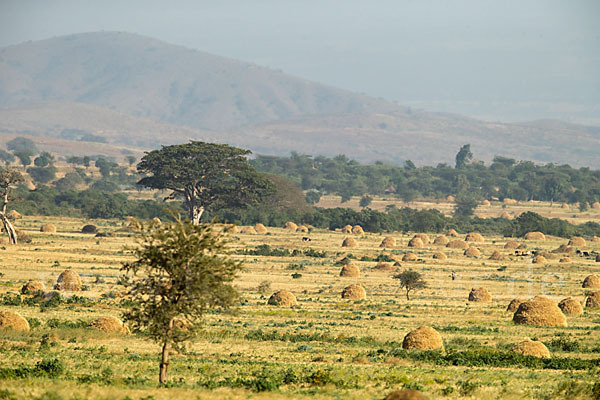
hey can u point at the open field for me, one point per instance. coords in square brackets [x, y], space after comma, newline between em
[569, 213]
[324, 347]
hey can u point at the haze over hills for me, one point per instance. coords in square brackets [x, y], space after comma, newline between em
[138, 91]
[146, 77]
[70, 121]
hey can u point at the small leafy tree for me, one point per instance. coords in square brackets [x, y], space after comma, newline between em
[105, 166]
[86, 161]
[44, 159]
[463, 156]
[410, 281]
[6, 157]
[181, 270]
[24, 156]
[9, 177]
[131, 160]
[313, 197]
[465, 207]
[365, 201]
[42, 174]
[22, 143]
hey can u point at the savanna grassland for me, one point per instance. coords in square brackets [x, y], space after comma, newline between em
[325, 347]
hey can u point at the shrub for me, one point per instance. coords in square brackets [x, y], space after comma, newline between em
[45, 369]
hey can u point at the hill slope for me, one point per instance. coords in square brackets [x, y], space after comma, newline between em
[425, 138]
[145, 77]
[118, 85]
[70, 121]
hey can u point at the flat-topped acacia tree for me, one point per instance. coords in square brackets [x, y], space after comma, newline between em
[206, 175]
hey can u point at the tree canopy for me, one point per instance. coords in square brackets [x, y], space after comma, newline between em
[206, 175]
[503, 178]
[410, 281]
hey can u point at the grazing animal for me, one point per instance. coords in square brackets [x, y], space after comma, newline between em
[305, 239]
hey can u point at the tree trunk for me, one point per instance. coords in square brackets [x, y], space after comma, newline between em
[10, 230]
[195, 214]
[407, 298]
[164, 363]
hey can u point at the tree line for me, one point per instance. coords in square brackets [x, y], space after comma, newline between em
[503, 178]
[216, 181]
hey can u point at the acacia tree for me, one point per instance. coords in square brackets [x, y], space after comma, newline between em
[410, 281]
[205, 175]
[181, 270]
[9, 177]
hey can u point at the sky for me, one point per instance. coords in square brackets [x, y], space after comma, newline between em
[497, 60]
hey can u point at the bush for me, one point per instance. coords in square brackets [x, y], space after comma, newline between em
[89, 229]
[44, 369]
[563, 344]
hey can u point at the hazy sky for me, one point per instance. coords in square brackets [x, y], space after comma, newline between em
[499, 60]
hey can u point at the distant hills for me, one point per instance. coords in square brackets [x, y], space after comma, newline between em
[130, 90]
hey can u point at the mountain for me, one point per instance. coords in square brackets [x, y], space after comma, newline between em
[148, 78]
[130, 90]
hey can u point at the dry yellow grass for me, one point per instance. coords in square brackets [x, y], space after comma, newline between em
[416, 243]
[224, 348]
[457, 244]
[423, 338]
[472, 252]
[480, 295]
[531, 348]
[248, 230]
[260, 228]
[109, 324]
[388, 242]
[593, 300]
[474, 237]
[48, 228]
[13, 321]
[535, 236]
[514, 304]
[405, 394]
[577, 241]
[354, 292]
[591, 282]
[424, 238]
[68, 280]
[350, 271]
[290, 226]
[283, 298]
[357, 230]
[384, 267]
[570, 306]
[441, 240]
[32, 287]
[539, 311]
[349, 242]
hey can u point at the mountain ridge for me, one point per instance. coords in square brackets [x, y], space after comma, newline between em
[101, 82]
